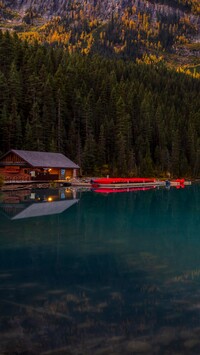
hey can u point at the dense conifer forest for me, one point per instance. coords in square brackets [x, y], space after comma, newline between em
[109, 116]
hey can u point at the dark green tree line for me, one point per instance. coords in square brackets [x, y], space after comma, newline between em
[110, 116]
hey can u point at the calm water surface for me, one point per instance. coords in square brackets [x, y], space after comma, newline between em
[89, 273]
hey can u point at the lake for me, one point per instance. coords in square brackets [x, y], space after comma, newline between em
[89, 273]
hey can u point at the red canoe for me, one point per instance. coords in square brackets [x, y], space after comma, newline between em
[107, 181]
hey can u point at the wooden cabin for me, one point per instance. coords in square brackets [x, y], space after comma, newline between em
[23, 165]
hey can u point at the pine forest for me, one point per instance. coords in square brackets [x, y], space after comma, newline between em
[110, 116]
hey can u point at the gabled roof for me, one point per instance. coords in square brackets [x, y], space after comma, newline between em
[45, 209]
[45, 159]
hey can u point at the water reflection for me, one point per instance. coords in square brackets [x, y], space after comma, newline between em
[112, 274]
[35, 203]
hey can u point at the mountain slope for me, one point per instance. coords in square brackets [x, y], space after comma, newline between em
[62, 7]
[130, 29]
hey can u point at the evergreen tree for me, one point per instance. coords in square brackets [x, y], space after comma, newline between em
[15, 126]
[28, 137]
[101, 148]
[175, 155]
[36, 139]
[5, 137]
[4, 91]
[14, 83]
[61, 111]
[89, 155]
[48, 114]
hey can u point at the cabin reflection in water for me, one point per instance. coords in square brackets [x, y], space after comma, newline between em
[36, 203]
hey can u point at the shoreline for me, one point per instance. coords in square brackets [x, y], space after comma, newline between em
[85, 182]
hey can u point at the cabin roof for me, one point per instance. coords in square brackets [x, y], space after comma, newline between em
[45, 159]
[45, 209]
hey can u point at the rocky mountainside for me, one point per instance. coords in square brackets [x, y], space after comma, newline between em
[135, 29]
[102, 8]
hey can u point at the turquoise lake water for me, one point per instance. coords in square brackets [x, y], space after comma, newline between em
[89, 273]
